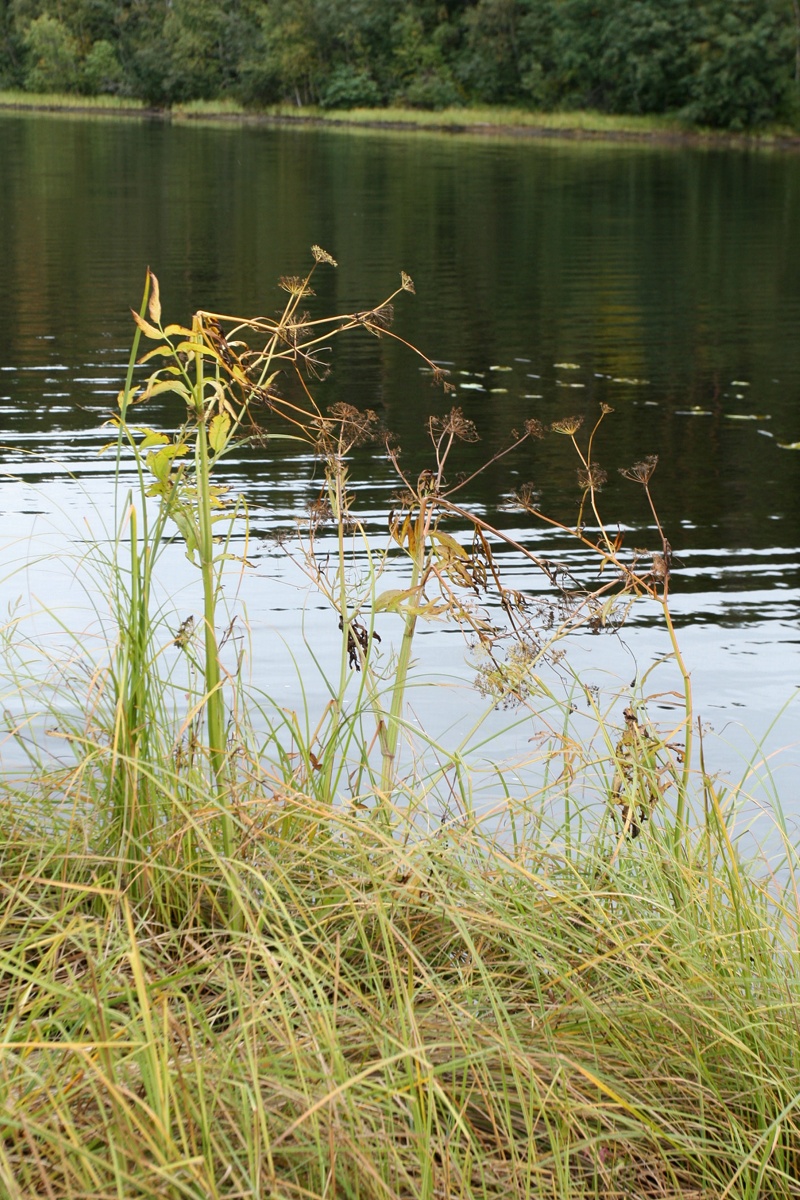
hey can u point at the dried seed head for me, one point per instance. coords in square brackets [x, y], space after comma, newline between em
[526, 495]
[534, 428]
[407, 283]
[295, 285]
[605, 409]
[641, 472]
[322, 256]
[592, 476]
[454, 424]
[568, 426]
[357, 427]
[440, 378]
[377, 319]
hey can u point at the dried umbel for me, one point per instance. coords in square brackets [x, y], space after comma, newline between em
[376, 319]
[345, 427]
[454, 425]
[322, 256]
[641, 472]
[295, 285]
[567, 425]
[591, 476]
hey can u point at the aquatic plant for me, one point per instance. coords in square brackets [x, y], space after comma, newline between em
[297, 959]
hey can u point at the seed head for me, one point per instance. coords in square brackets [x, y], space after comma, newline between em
[592, 476]
[407, 283]
[322, 256]
[456, 424]
[295, 285]
[568, 426]
[641, 472]
[357, 427]
[534, 428]
[377, 318]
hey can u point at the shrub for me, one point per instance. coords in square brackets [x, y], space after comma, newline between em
[53, 57]
[350, 88]
[102, 72]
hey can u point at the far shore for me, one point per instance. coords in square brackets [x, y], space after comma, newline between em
[492, 122]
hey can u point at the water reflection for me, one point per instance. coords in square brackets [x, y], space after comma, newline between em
[664, 283]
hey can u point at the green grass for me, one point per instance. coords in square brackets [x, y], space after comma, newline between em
[473, 119]
[303, 962]
[67, 101]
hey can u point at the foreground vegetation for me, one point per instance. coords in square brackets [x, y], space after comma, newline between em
[252, 951]
[723, 63]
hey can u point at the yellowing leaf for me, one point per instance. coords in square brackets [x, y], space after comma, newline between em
[789, 445]
[449, 544]
[157, 386]
[159, 351]
[154, 305]
[218, 432]
[391, 599]
[147, 329]
[152, 438]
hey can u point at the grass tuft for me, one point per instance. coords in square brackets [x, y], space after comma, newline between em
[250, 952]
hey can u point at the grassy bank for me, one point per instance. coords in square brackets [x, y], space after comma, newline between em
[473, 120]
[250, 950]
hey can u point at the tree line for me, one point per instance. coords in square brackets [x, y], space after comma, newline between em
[727, 63]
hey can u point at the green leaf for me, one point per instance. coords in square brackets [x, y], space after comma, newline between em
[159, 462]
[186, 527]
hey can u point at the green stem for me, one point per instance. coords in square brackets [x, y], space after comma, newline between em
[215, 706]
[389, 743]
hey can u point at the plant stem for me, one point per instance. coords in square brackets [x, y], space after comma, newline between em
[215, 705]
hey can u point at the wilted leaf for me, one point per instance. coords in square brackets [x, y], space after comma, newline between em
[147, 329]
[391, 599]
[156, 387]
[154, 305]
[449, 544]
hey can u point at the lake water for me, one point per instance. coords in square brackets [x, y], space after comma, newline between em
[667, 279]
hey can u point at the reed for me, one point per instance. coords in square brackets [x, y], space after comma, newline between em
[252, 951]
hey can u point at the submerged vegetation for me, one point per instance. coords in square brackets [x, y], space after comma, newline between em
[722, 63]
[249, 950]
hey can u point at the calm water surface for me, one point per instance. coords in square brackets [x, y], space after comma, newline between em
[668, 280]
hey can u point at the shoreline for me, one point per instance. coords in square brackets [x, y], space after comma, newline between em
[587, 126]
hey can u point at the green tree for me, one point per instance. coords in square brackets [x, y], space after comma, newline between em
[53, 56]
[12, 49]
[746, 62]
[102, 72]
